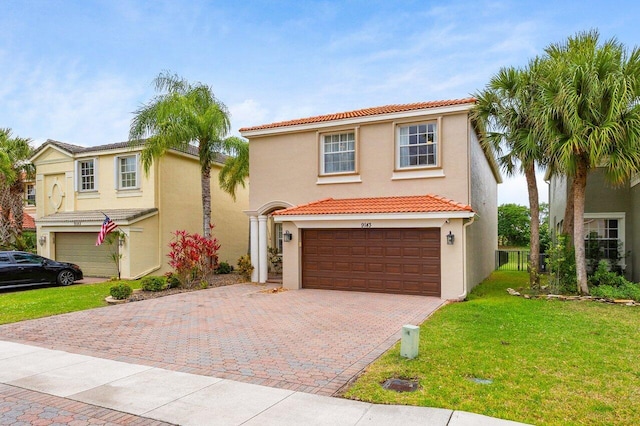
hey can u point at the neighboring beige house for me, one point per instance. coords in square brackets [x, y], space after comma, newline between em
[76, 186]
[611, 214]
[398, 199]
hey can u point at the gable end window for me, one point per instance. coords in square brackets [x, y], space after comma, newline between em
[417, 145]
[127, 172]
[87, 175]
[339, 153]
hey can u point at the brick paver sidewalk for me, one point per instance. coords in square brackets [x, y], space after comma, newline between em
[307, 340]
[20, 407]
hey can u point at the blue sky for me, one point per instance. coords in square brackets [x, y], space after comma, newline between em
[75, 71]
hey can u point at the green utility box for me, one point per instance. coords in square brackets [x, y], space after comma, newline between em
[410, 340]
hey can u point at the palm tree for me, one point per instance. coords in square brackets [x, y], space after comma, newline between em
[236, 168]
[504, 109]
[183, 114]
[590, 113]
[14, 168]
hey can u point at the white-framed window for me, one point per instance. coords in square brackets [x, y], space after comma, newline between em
[278, 236]
[31, 194]
[87, 176]
[338, 153]
[127, 172]
[417, 145]
[607, 229]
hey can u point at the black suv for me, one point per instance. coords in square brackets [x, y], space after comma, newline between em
[18, 269]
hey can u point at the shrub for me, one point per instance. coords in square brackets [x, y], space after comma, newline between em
[224, 268]
[275, 260]
[193, 257]
[604, 276]
[120, 291]
[172, 280]
[245, 268]
[626, 291]
[154, 283]
[562, 266]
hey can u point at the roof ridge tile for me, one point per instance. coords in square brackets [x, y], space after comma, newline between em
[363, 112]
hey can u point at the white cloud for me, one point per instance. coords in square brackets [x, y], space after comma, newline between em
[59, 101]
[247, 113]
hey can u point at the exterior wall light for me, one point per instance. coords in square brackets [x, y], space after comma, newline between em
[42, 240]
[287, 236]
[450, 238]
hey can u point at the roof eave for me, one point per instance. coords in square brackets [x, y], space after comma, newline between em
[374, 216]
[357, 120]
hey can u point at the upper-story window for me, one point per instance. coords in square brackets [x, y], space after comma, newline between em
[31, 194]
[127, 172]
[417, 145]
[339, 153]
[87, 175]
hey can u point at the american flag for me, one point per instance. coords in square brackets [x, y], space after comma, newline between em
[107, 226]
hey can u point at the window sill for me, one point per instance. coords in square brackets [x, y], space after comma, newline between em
[417, 174]
[88, 195]
[124, 193]
[327, 180]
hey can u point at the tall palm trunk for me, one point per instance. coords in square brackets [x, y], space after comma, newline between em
[579, 189]
[17, 200]
[567, 223]
[534, 239]
[206, 200]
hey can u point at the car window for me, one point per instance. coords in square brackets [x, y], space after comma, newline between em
[27, 258]
[4, 259]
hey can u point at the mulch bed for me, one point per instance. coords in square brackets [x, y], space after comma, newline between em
[216, 281]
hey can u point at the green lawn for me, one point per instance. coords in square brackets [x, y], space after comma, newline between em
[551, 362]
[42, 302]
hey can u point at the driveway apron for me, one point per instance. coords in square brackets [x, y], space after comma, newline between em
[312, 341]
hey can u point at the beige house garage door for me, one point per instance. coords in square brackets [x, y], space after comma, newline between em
[405, 261]
[80, 248]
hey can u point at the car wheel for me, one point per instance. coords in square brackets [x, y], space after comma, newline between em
[66, 277]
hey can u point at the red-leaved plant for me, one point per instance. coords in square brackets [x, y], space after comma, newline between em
[193, 257]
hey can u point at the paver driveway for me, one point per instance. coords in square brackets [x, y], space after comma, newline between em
[307, 340]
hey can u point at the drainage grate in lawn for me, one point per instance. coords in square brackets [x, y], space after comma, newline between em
[401, 385]
[480, 381]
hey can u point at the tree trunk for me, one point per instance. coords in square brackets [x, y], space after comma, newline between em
[534, 238]
[17, 201]
[567, 223]
[579, 189]
[206, 200]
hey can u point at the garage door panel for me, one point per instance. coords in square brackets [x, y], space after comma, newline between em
[393, 251]
[376, 260]
[325, 251]
[375, 251]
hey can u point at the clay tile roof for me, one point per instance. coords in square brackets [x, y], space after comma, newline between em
[408, 204]
[27, 221]
[387, 109]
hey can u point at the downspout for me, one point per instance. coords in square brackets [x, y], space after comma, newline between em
[463, 296]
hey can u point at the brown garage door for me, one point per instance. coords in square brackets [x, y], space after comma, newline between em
[405, 261]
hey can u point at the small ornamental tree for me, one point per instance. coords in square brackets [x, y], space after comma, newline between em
[193, 257]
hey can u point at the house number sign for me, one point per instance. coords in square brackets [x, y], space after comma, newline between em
[365, 225]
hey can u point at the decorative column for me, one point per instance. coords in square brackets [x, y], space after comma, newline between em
[262, 249]
[253, 230]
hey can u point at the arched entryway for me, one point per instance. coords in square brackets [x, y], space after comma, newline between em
[266, 242]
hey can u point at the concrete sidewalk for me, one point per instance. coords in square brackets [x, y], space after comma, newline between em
[189, 399]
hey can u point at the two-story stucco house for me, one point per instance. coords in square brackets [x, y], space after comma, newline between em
[398, 199]
[77, 186]
[610, 216]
